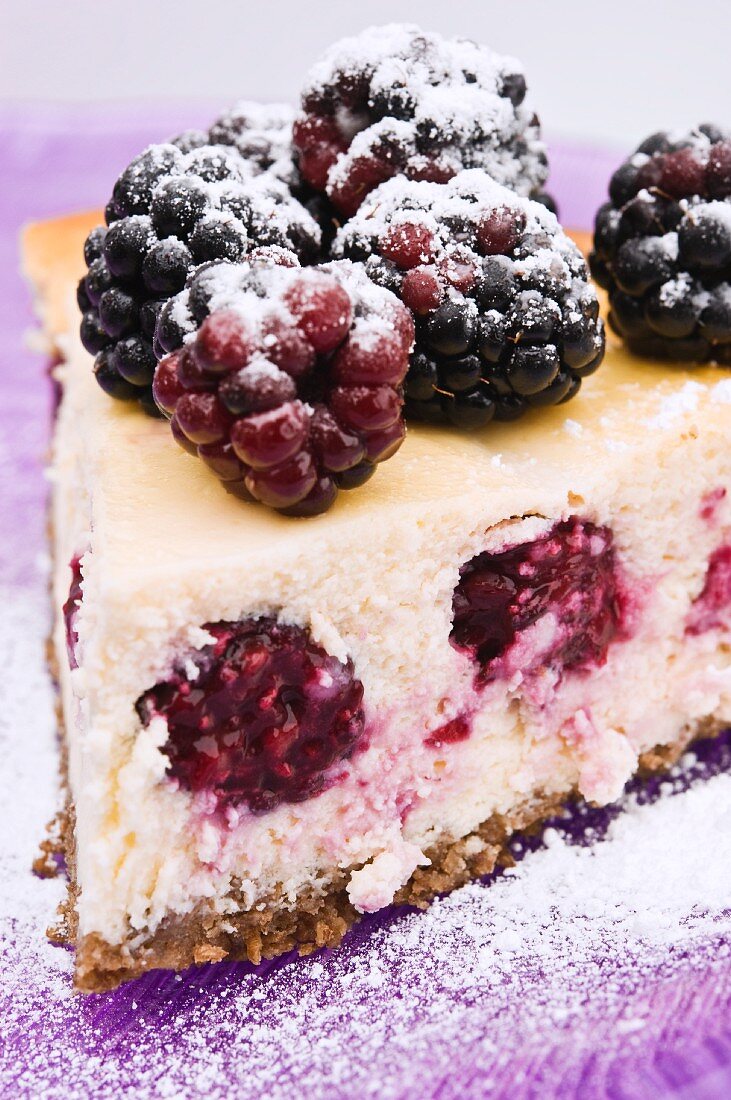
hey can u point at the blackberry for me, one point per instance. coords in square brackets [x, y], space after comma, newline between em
[291, 387]
[175, 207]
[662, 246]
[259, 716]
[570, 572]
[505, 317]
[396, 100]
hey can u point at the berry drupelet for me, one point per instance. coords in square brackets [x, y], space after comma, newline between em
[398, 101]
[259, 716]
[505, 318]
[174, 208]
[290, 388]
[662, 247]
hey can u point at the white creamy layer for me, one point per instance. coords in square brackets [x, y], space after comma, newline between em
[166, 550]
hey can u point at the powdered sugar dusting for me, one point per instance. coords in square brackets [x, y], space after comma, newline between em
[677, 404]
[257, 291]
[545, 256]
[262, 133]
[721, 392]
[467, 197]
[229, 182]
[457, 96]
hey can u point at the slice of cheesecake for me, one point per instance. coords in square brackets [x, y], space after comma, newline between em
[274, 725]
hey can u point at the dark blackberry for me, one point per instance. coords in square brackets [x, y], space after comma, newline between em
[396, 100]
[109, 378]
[218, 239]
[133, 191]
[177, 206]
[662, 246]
[98, 279]
[471, 410]
[715, 320]
[94, 244]
[291, 389]
[704, 238]
[174, 208]
[149, 313]
[262, 134]
[189, 140]
[450, 330]
[126, 244]
[119, 312]
[505, 316]
[497, 285]
[83, 300]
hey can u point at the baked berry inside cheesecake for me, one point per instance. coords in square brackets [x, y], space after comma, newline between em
[276, 725]
[363, 594]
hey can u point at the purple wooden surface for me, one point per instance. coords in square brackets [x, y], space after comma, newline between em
[53, 161]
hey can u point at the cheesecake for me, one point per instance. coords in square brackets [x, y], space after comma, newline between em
[273, 725]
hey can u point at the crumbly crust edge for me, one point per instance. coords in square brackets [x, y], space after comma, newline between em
[317, 920]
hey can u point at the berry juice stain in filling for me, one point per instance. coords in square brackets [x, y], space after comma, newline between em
[711, 504]
[71, 610]
[458, 729]
[570, 573]
[710, 610]
[264, 719]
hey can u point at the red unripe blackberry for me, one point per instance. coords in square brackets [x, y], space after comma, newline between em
[202, 417]
[498, 232]
[225, 346]
[285, 485]
[322, 311]
[291, 387]
[361, 360]
[269, 438]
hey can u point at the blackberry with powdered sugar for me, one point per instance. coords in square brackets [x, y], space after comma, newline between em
[285, 381]
[662, 246]
[174, 208]
[505, 317]
[397, 100]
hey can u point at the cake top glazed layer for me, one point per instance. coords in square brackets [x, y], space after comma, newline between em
[152, 491]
